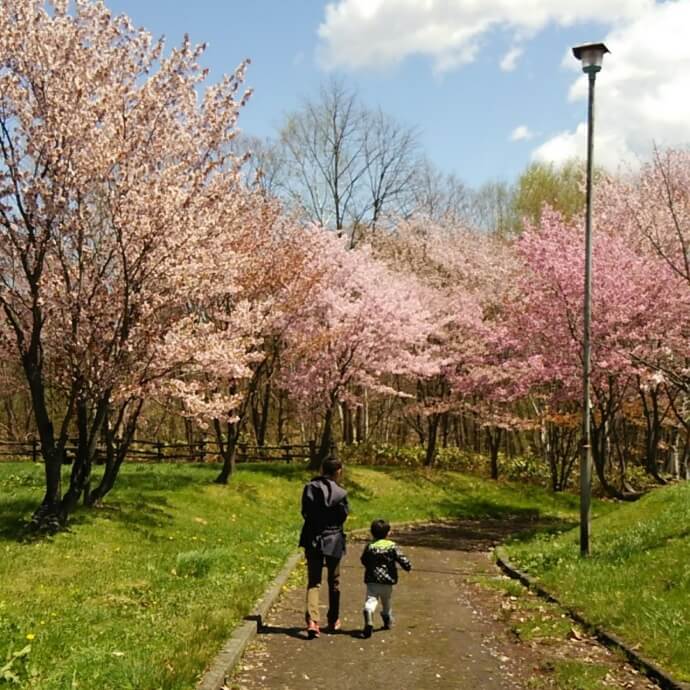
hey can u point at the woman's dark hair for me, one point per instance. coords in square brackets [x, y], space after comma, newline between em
[330, 466]
[379, 529]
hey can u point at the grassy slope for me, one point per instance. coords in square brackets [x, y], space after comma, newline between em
[637, 581]
[142, 593]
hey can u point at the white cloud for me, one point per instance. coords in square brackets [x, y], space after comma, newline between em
[509, 60]
[643, 92]
[521, 133]
[378, 33]
[642, 95]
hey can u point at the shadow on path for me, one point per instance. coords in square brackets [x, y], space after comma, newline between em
[300, 633]
[470, 535]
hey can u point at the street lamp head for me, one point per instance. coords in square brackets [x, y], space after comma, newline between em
[591, 55]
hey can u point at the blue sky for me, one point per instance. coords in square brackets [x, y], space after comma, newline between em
[437, 65]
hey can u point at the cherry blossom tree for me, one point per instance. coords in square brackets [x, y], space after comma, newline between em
[655, 207]
[633, 300]
[466, 275]
[256, 282]
[362, 326]
[112, 169]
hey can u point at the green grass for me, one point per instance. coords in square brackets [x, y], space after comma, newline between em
[530, 617]
[544, 625]
[142, 593]
[571, 675]
[637, 580]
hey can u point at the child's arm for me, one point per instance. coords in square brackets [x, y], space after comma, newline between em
[403, 560]
[364, 558]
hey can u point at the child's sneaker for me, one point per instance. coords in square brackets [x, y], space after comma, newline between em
[313, 630]
[333, 627]
[368, 627]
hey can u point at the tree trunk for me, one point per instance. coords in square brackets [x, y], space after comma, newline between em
[672, 466]
[89, 432]
[114, 457]
[81, 466]
[348, 428]
[228, 449]
[189, 437]
[360, 436]
[265, 410]
[362, 419]
[477, 436]
[599, 459]
[260, 407]
[281, 417]
[494, 438]
[445, 425]
[326, 443]
[652, 431]
[47, 515]
[432, 435]
[116, 450]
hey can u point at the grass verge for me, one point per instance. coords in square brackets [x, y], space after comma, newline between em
[141, 594]
[636, 582]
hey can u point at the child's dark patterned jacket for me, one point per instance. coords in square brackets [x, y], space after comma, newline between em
[379, 559]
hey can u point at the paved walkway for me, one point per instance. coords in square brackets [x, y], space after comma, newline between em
[450, 631]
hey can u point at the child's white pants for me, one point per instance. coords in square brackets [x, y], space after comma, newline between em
[376, 591]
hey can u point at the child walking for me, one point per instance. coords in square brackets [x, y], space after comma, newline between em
[379, 559]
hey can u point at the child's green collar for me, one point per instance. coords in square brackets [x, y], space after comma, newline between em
[383, 543]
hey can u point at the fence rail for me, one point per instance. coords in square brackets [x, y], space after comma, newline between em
[159, 451]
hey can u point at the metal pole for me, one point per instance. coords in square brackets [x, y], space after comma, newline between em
[586, 456]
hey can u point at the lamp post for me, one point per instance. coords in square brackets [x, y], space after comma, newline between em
[591, 55]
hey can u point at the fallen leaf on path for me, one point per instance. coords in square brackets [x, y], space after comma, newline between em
[574, 634]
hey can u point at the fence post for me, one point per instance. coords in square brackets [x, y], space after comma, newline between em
[243, 452]
[159, 451]
[312, 450]
[286, 453]
[202, 450]
[34, 450]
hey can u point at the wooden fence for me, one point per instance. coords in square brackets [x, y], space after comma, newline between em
[158, 451]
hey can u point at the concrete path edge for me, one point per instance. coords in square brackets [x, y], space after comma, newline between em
[652, 670]
[221, 667]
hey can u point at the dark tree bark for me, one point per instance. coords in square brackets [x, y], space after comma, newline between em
[602, 418]
[432, 437]
[228, 437]
[227, 443]
[89, 431]
[281, 419]
[494, 436]
[118, 435]
[326, 443]
[48, 515]
[560, 449]
[445, 429]
[654, 417]
[348, 427]
[260, 407]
